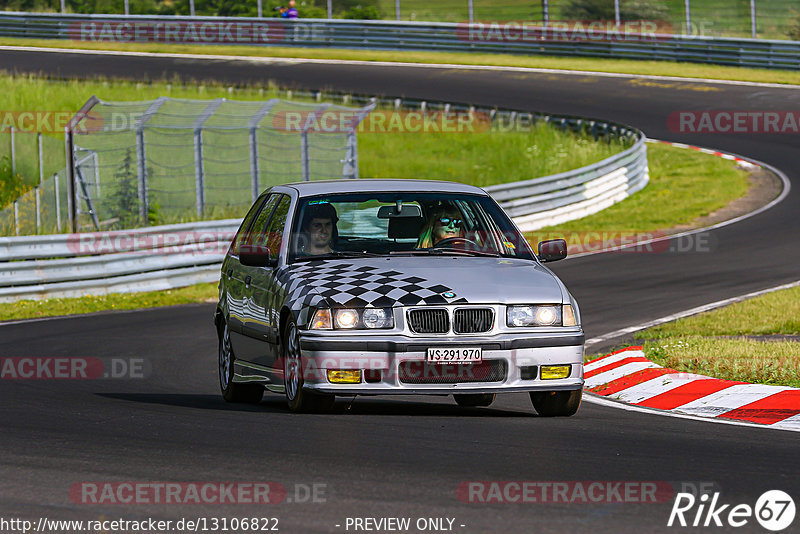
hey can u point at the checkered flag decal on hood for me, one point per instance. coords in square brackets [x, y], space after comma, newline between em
[345, 285]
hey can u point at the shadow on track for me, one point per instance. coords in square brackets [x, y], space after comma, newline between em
[359, 407]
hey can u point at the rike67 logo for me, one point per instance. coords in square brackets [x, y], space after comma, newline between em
[774, 510]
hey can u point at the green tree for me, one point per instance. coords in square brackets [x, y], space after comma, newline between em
[124, 201]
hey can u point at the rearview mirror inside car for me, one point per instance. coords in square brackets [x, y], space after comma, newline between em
[406, 210]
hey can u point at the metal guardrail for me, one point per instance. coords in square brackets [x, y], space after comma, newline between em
[573, 194]
[146, 259]
[169, 256]
[404, 35]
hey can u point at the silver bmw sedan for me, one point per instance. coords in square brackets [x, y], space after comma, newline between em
[393, 287]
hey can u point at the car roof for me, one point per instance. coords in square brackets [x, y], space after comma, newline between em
[388, 185]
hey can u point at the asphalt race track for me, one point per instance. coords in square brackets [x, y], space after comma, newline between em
[406, 458]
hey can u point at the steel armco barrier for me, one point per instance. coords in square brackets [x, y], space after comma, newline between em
[399, 35]
[573, 194]
[170, 256]
[144, 259]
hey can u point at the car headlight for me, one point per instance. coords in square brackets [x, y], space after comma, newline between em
[378, 318]
[533, 316]
[351, 319]
[346, 318]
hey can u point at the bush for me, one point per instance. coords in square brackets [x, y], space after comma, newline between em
[352, 9]
[362, 13]
[794, 30]
[604, 10]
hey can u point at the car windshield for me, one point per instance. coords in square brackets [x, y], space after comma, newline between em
[407, 223]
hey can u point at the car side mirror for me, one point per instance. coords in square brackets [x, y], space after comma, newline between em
[256, 256]
[552, 250]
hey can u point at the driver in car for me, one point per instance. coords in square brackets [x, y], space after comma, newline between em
[444, 223]
[319, 230]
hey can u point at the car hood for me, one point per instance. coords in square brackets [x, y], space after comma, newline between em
[408, 281]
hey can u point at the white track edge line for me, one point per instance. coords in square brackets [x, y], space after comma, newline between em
[687, 313]
[268, 59]
[601, 401]
[787, 187]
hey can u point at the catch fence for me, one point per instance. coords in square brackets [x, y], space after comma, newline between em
[173, 160]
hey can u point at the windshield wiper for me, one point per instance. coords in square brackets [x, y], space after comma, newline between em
[340, 254]
[444, 252]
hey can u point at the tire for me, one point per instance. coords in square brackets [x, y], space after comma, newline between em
[473, 400]
[299, 399]
[231, 391]
[556, 403]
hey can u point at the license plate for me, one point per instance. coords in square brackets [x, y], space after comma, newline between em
[453, 355]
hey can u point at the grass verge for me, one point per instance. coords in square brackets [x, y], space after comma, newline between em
[746, 360]
[711, 344]
[29, 309]
[684, 184]
[620, 66]
[771, 314]
[480, 158]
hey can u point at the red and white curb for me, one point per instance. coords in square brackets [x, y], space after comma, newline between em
[627, 375]
[724, 155]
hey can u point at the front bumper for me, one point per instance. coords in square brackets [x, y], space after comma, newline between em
[390, 357]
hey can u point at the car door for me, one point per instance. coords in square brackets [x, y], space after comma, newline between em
[262, 325]
[240, 282]
[232, 276]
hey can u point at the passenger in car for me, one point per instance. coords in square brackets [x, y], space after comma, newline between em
[319, 231]
[444, 223]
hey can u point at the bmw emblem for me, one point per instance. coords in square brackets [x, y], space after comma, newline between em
[448, 294]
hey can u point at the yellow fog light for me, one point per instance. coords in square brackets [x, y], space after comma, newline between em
[552, 372]
[344, 376]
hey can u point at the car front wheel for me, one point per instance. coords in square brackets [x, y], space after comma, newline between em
[231, 391]
[299, 399]
[556, 403]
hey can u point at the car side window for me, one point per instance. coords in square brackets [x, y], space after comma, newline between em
[257, 234]
[241, 234]
[274, 234]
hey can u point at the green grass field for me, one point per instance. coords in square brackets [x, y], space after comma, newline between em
[684, 184]
[708, 343]
[481, 158]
